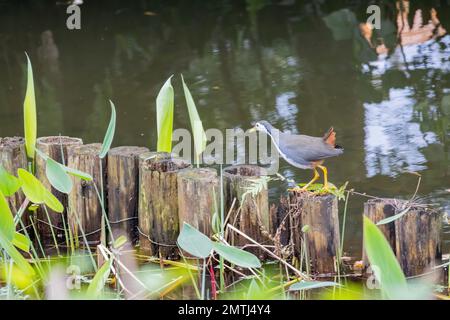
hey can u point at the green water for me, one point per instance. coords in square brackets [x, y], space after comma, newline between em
[243, 61]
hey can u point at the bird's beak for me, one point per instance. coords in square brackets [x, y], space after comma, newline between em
[252, 130]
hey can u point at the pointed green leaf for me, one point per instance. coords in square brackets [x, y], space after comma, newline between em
[6, 218]
[36, 192]
[9, 184]
[194, 242]
[29, 112]
[79, 174]
[164, 117]
[237, 256]
[21, 242]
[15, 255]
[307, 285]
[57, 176]
[107, 141]
[120, 241]
[98, 282]
[196, 123]
[383, 261]
[392, 218]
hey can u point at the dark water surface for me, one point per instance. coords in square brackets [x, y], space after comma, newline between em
[302, 65]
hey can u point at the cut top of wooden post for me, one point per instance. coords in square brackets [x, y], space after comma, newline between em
[250, 213]
[53, 145]
[158, 203]
[56, 148]
[161, 162]
[13, 154]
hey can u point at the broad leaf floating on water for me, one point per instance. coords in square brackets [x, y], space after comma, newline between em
[196, 123]
[164, 116]
[29, 113]
[308, 285]
[9, 184]
[237, 256]
[37, 193]
[98, 282]
[57, 176]
[383, 262]
[194, 242]
[109, 135]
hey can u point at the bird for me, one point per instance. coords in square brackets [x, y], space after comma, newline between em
[302, 151]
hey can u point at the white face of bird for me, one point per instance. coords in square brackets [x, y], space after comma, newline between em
[259, 127]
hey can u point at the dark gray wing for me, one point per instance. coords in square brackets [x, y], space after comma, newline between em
[301, 148]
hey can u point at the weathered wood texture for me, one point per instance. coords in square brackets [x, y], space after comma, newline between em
[198, 197]
[56, 148]
[12, 157]
[250, 213]
[415, 237]
[158, 203]
[85, 211]
[320, 214]
[123, 191]
[279, 215]
[377, 210]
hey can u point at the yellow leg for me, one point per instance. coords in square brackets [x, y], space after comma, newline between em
[325, 177]
[316, 176]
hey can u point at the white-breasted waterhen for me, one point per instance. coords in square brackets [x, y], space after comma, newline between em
[302, 151]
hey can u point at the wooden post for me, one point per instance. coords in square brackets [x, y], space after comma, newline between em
[279, 215]
[56, 148]
[123, 191]
[377, 210]
[314, 219]
[250, 213]
[85, 211]
[12, 157]
[158, 203]
[414, 237]
[198, 197]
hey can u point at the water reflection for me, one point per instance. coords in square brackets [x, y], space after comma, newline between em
[392, 139]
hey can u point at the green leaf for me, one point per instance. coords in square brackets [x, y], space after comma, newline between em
[9, 184]
[237, 256]
[98, 282]
[57, 176]
[196, 123]
[79, 174]
[36, 192]
[29, 113]
[383, 261]
[15, 255]
[21, 242]
[164, 116]
[392, 218]
[109, 135]
[6, 219]
[194, 242]
[120, 241]
[307, 285]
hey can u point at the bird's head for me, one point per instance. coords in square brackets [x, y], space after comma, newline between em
[262, 126]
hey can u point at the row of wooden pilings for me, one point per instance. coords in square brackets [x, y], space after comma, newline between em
[149, 195]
